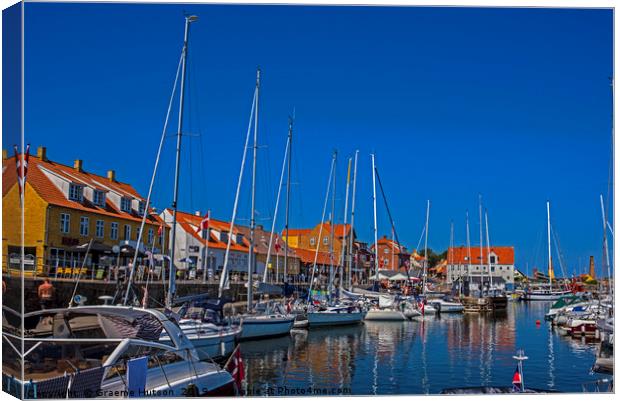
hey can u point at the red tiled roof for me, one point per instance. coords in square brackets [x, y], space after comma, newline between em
[505, 255]
[50, 193]
[190, 222]
[308, 255]
[391, 244]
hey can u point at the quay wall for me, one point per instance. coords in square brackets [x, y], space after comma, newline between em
[93, 289]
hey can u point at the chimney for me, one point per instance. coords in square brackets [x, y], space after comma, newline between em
[592, 272]
[5, 154]
[111, 175]
[77, 164]
[42, 153]
[197, 213]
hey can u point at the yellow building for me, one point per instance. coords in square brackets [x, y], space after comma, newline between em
[64, 209]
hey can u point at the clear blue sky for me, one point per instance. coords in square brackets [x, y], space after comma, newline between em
[511, 103]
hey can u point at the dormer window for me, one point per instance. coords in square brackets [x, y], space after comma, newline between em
[126, 204]
[141, 207]
[239, 239]
[492, 259]
[99, 198]
[224, 237]
[76, 192]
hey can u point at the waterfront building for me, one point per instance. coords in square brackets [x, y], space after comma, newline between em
[276, 261]
[64, 208]
[392, 255]
[308, 238]
[191, 245]
[500, 260]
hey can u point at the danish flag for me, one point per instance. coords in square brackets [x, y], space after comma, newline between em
[235, 366]
[277, 246]
[160, 230]
[21, 163]
[204, 223]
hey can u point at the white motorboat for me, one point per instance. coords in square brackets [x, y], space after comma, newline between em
[69, 361]
[545, 294]
[444, 306]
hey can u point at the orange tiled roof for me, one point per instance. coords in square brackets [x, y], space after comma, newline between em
[505, 255]
[391, 244]
[190, 222]
[50, 193]
[308, 255]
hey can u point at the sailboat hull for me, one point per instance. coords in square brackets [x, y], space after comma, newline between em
[385, 315]
[545, 295]
[316, 319]
[210, 341]
[264, 326]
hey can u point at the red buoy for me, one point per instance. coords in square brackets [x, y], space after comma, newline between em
[538, 323]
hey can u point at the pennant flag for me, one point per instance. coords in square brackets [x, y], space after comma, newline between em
[516, 380]
[235, 366]
[21, 163]
[160, 230]
[204, 223]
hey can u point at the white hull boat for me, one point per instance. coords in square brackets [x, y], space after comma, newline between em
[385, 315]
[210, 340]
[443, 306]
[545, 295]
[263, 326]
[335, 316]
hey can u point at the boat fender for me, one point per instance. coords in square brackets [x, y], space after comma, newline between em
[192, 390]
[538, 323]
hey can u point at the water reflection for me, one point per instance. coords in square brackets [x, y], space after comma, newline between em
[423, 356]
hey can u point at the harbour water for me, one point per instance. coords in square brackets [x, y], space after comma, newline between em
[421, 357]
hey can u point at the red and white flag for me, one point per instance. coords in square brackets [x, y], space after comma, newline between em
[160, 230]
[204, 223]
[277, 244]
[21, 161]
[235, 367]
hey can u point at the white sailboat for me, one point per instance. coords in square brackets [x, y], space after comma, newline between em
[270, 321]
[333, 314]
[546, 293]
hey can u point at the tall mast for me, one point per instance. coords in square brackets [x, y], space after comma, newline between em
[428, 210]
[468, 246]
[333, 225]
[482, 264]
[351, 254]
[605, 246]
[549, 262]
[288, 192]
[172, 274]
[486, 223]
[344, 239]
[251, 256]
[451, 248]
[374, 205]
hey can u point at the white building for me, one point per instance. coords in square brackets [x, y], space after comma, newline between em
[474, 263]
[191, 245]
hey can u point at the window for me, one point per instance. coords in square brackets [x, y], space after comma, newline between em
[204, 233]
[99, 225]
[126, 204]
[224, 237]
[83, 226]
[141, 207]
[492, 258]
[325, 240]
[127, 233]
[64, 223]
[76, 192]
[113, 230]
[386, 250]
[312, 241]
[239, 239]
[99, 198]
[151, 236]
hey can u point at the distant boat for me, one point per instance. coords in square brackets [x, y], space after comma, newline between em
[547, 293]
[387, 310]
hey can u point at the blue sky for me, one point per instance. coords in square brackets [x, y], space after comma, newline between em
[511, 103]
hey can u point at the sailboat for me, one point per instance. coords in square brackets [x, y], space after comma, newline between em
[546, 293]
[269, 319]
[335, 312]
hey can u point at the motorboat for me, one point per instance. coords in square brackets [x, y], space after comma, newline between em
[445, 306]
[107, 351]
